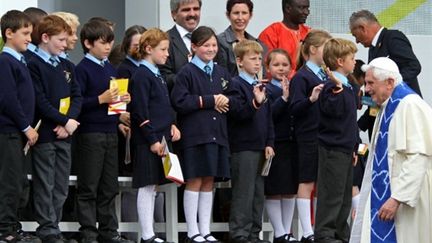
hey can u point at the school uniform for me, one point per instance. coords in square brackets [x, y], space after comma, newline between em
[204, 147]
[16, 117]
[338, 137]
[151, 119]
[282, 177]
[54, 81]
[250, 131]
[30, 52]
[306, 116]
[97, 151]
[127, 67]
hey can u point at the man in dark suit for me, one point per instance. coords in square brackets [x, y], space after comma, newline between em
[383, 42]
[186, 15]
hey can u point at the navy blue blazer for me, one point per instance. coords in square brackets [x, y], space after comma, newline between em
[150, 108]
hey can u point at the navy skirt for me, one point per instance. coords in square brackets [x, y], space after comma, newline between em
[205, 160]
[307, 161]
[148, 169]
[283, 176]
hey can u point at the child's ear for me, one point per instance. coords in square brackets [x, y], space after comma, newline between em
[45, 38]
[194, 47]
[340, 61]
[9, 33]
[313, 50]
[239, 61]
[87, 44]
[148, 49]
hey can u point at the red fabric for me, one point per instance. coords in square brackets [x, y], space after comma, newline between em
[277, 35]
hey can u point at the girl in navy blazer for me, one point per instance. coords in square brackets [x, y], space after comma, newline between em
[151, 118]
[198, 97]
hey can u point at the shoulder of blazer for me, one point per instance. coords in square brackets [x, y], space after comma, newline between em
[177, 41]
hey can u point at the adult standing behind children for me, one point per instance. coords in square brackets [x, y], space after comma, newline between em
[15, 120]
[186, 14]
[288, 33]
[58, 103]
[97, 137]
[238, 12]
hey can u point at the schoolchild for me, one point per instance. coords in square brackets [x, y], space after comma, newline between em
[97, 137]
[16, 120]
[129, 44]
[338, 140]
[152, 118]
[73, 21]
[281, 184]
[35, 15]
[58, 103]
[305, 88]
[251, 136]
[201, 106]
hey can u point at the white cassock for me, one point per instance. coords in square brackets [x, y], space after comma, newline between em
[410, 168]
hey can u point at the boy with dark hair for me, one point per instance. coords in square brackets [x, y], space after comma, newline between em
[16, 118]
[58, 103]
[97, 138]
[338, 137]
[35, 15]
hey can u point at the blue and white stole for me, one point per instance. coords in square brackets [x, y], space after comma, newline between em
[384, 231]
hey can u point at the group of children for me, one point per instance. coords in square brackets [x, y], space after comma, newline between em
[225, 127]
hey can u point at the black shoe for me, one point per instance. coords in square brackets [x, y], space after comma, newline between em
[258, 240]
[192, 239]
[328, 240]
[240, 240]
[292, 239]
[153, 240]
[116, 239]
[309, 239]
[281, 239]
[89, 239]
[61, 237]
[52, 239]
[206, 237]
[27, 237]
[8, 238]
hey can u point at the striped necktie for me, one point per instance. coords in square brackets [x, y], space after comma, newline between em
[53, 61]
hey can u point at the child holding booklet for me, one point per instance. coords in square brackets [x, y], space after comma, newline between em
[151, 119]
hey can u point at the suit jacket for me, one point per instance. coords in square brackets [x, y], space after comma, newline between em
[396, 46]
[178, 57]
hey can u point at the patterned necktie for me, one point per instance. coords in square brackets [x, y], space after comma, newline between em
[53, 61]
[322, 75]
[102, 63]
[23, 60]
[208, 71]
[189, 35]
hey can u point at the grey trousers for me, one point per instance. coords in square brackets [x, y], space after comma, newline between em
[247, 194]
[334, 189]
[51, 169]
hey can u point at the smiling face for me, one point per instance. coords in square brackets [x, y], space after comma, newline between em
[19, 39]
[207, 51]
[55, 44]
[188, 15]
[239, 17]
[279, 66]
[159, 54]
[379, 91]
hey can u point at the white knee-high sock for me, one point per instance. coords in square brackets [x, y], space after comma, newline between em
[204, 211]
[303, 208]
[190, 204]
[355, 202]
[274, 211]
[288, 205]
[145, 206]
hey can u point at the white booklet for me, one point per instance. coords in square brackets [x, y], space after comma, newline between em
[171, 165]
[266, 167]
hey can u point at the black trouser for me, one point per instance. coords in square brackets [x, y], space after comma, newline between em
[51, 169]
[247, 202]
[334, 189]
[12, 179]
[97, 161]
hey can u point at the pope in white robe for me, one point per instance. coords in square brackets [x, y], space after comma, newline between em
[409, 161]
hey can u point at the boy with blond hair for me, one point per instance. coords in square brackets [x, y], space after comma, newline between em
[338, 137]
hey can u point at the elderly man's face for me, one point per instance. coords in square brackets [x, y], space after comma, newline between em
[379, 90]
[188, 15]
[298, 11]
[361, 34]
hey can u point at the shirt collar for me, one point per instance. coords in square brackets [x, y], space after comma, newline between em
[135, 62]
[45, 55]
[64, 55]
[276, 83]
[312, 66]
[94, 59]
[32, 47]
[342, 78]
[182, 31]
[153, 68]
[13, 53]
[376, 37]
[248, 78]
[231, 37]
[200, 64]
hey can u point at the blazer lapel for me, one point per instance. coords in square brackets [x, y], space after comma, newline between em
[178, 42]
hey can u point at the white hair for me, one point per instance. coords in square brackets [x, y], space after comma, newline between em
[382, 74]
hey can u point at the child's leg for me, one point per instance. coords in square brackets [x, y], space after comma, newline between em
[205, 204]
[145, 202]
[190, 204]
[258, 199]
[304, 207]
[355, 200]
[273, 206]
[288, 206]
[62, 172]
